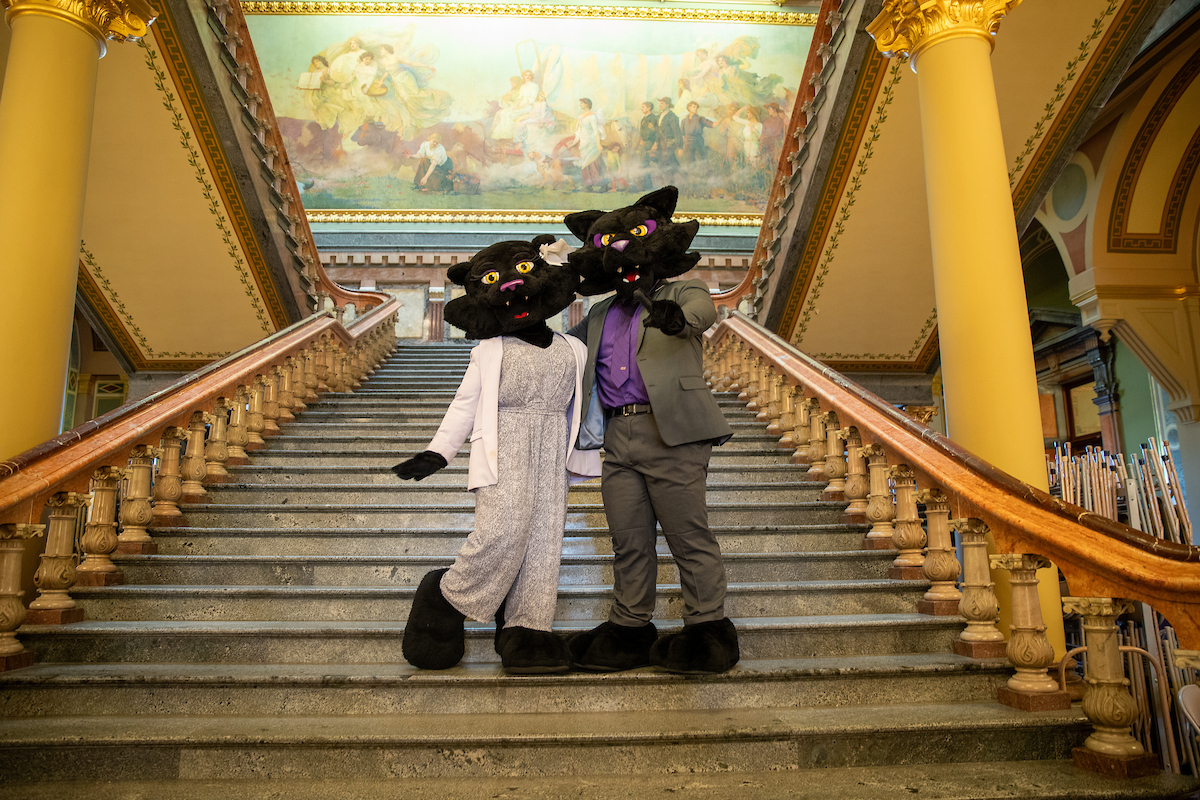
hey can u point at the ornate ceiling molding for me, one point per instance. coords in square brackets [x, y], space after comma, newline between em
[650, 13]
[122, 20]
[516, 217]
[908, 27]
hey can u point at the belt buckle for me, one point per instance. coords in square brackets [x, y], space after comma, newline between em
[628, 410]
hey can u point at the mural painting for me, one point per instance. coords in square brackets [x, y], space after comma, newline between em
[510, 113]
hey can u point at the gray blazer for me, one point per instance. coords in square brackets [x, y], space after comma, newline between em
[672, 367]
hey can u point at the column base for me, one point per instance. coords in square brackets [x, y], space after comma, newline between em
[799, 459]
[906, 573]
[854, 519]
[833, 496]
[979, 649]
[116, 578]
[1040, 701]
[19, 660]
[138, 548]
[1116, 766]
[785, 445]
[938, 608]
[53, 616]
[253, 447]
[168, 521]
[216, 479]
[877, 543]
[237, 461]
[194, 499]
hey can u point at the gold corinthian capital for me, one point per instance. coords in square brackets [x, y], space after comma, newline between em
[123, 20]
[907, 27]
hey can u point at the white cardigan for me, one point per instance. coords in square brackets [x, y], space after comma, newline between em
[475, 411]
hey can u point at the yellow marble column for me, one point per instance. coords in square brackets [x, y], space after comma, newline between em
[988, 373]
[45, 132]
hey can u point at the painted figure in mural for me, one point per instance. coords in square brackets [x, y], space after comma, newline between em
[731, 136]
[589, 133]
[693, 126]
[535, 130]
[647, 137]
[518, 102]
[670, 141]
[682, 97]
[614, 168]
[411, 105]
[751, 135]
[774, 128]
[434, 168]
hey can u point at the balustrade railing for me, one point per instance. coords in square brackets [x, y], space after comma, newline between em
[863, 449]
[213, 415]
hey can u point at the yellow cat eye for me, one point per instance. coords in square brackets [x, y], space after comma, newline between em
[640, 230]
[607, 238]
[490, 277]
[524, 267]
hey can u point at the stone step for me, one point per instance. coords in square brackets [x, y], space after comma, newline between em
[91, 690]
[377, 603]
[364, 541]
[225, 642]
[425, 491]
[466, 746]
[1046, 779]
[398, 425]
[376, 441]
[460, 513]
[455, 474]
[385, 458]
[408, 570]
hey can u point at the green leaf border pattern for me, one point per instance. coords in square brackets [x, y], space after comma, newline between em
[909, 356]
[867, 150]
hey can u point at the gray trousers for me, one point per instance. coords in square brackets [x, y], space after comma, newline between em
[644, 482]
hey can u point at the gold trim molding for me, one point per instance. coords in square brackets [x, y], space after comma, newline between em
[123, 20]
[517, 217]
[655, 13]
[907, 27]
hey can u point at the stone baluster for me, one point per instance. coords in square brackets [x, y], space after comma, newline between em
[358, 367]
[55, 574]
[764, 393]
[719, 377]
[740, 361]
[749, 395]
[775, 404]
[216, 450]
[732, 363]
[283, 377]
[800, 433]
[333, 367]
[321, 364]
[237, 435]
[13, 654]
[1031, 688]
[816, 442]
[136, 512]
[880, 508]
[857, 484]
[979, 606]
[941, 559]
[909, 537]
[270, 404]
[255, 422]
[787, 416]
[296, 384]
[194, 467]
[168, 484]
[100, 534]
[311, 380]
[1111, 749]
[348, 375]
[835, 458]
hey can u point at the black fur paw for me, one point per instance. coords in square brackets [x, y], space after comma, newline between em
[524, 651]
[667, 316]
[612, 648]
[434, 635]
[422, 465]
[706, 648]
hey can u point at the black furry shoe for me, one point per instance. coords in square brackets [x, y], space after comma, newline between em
[612, 648]
[705, 648]
[434, 637]
[524, 651]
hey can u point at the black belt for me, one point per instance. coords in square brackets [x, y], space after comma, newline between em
[627, 411]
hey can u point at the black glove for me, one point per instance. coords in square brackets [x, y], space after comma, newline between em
[422, 465]
[667, 316]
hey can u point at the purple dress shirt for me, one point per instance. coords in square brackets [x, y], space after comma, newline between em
[618, 354]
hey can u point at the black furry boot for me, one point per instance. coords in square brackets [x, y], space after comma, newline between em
[612, 648]
[705, 648]
[434, 636]
[524, 651]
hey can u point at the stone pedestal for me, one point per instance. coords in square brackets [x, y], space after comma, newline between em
[938, 608]
[1033, 701]
[16, 661]
[979, 649]
[1125, 767]
[53, 616]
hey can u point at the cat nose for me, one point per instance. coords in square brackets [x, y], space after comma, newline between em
[620, 246]
[513, 284]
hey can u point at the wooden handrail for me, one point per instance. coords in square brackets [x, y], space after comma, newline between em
[66, 463]
[1098, 557]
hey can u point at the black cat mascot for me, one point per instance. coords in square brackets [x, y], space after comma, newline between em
[517, 402]
[649, 405]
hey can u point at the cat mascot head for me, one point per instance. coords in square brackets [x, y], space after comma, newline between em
[511, 286]
[633, 247]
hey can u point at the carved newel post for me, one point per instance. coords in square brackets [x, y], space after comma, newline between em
[880, 508]
[194, 466]
[857, 485]
[13, 654]
[908, 536]
[1031, 688]
[1111, 749]
[136, 512]
[979, 606]
[56, 573]
[941, 561]
[100, 534]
